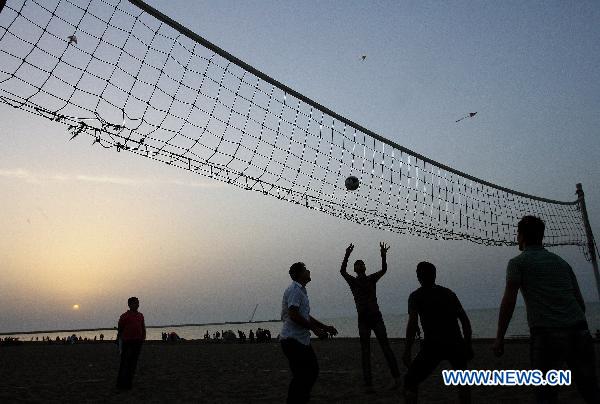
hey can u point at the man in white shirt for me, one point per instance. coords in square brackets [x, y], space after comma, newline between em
[295, 335]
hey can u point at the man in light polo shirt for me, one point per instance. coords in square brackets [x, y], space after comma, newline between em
[555, 313]
[295, 335]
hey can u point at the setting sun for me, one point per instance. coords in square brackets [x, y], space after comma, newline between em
[75, 307]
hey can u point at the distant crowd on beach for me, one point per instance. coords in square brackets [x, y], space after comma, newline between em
[69, 339]
[261, 335]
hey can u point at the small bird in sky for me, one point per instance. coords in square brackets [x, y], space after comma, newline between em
[471, 115]
[363, 58]
[72, 39]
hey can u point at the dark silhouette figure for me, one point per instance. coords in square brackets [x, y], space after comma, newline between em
[439, 309]
[295, 335]
[251, 336]
[263, 335]
[555, 313]
[101, 337]
[131, 334]
[228, 336]
[364, 290]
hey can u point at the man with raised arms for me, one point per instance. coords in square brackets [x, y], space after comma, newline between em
[364, 291]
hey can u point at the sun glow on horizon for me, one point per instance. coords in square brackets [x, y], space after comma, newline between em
[75, 307]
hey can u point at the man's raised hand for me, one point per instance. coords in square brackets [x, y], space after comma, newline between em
[349, 250]
[384, 248]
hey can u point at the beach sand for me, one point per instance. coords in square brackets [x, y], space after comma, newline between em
[194, 371]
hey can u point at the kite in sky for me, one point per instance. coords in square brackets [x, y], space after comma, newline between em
[471, 115]
[363, 57]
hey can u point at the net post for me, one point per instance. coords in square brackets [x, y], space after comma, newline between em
[589, 234]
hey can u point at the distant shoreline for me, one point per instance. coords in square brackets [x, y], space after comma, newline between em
[521, 339]
[148, 326]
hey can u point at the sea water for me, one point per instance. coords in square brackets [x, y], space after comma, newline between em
[483, 323]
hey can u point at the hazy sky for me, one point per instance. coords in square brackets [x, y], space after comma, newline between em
[88, 226]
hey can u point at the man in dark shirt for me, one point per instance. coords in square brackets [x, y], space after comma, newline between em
[364, 290]
[131, 334]
[439, 309]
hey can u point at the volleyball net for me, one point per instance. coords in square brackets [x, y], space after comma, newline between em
[132, 79]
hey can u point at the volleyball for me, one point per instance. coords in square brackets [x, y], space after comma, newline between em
[352, 183]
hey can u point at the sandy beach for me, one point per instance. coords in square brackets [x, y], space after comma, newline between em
[194, 371]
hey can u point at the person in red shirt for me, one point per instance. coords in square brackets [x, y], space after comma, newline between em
[131, 334]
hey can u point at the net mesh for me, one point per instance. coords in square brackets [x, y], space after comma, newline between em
[133, 82]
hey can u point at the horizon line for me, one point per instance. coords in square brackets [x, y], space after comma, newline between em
[149, 326]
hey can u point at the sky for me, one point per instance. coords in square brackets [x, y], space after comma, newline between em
[90, 227]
